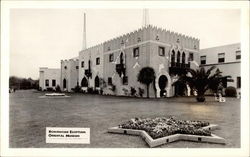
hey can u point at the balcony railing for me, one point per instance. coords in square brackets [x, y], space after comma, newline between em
[178, 68]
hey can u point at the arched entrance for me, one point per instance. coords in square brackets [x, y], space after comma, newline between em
[168, 84]
[97, 82]
[84, 82]
[163, 81]
[64, 83]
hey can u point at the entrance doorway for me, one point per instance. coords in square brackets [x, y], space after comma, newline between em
[163, 80]
[97, 82]
[64, 83]
[84, 82]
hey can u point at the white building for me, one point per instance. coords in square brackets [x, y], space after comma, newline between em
[91, 67]
[49, 78]
[227, 58]
[69, 74]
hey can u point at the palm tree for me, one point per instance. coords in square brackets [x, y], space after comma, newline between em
[215, 82]
[201, 80]
[146, 76]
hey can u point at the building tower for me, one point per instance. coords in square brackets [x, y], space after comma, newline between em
[84, 46]
[145, 20]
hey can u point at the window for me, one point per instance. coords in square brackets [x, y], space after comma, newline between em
[111, 57]
[110, 81]
[97, 60]
[238, 54]
[125, 80]
[136, 52]
[238, 82]
[157, 37]
[77, 67]
[108, 48]
[138, 39]
[203, 59]
[178, 57]
[183, 59]
[82, 64]
[161, 51]
[191, 57]
[46, 82]
[53, 83]
[221, 57]
[65, 67]
[173, 56]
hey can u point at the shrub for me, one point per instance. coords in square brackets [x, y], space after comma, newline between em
[95, 91]
[49, 89]
[77, 89]
[231, 91]
[113, 88]
[101, 91]
[58, 89]
[132, 91]
[90, 90]
[141, 92]
[40, 89]
[125, 90]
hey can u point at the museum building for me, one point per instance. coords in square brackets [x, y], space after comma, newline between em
[112, 67]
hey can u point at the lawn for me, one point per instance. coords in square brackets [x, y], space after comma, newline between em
[30, 115]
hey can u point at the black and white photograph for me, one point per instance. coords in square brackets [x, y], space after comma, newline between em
[144, 76]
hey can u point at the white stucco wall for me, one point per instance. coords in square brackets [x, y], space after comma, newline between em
[231, 66]
[49, 74]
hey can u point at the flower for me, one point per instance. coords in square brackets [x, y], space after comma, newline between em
[161, 126]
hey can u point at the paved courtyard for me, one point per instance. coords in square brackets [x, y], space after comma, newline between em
[30, 115]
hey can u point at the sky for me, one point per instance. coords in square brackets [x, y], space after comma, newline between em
[43, 37]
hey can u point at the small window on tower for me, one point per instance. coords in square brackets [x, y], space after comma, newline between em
[111, 57]
[65, 67]
[157, 37]
[122, 42]
[82, 64]
[97, 60]
[136, 52]
[161, 51]
[77, 67]
[138, 39]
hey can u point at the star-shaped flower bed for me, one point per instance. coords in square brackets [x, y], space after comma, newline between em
[163, 130]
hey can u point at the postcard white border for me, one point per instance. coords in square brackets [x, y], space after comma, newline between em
[243, 151]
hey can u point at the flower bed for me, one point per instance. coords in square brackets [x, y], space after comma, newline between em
[162, 126]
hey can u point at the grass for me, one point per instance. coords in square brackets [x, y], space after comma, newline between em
[30, 115]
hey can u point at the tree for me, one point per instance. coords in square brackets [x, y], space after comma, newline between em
[146, 76]
[216, 81]
[201, 80]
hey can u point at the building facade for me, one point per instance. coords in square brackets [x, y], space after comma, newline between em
[118, 61]
[227, 59]
[69, 74]
[91, 68]
[49, 78]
